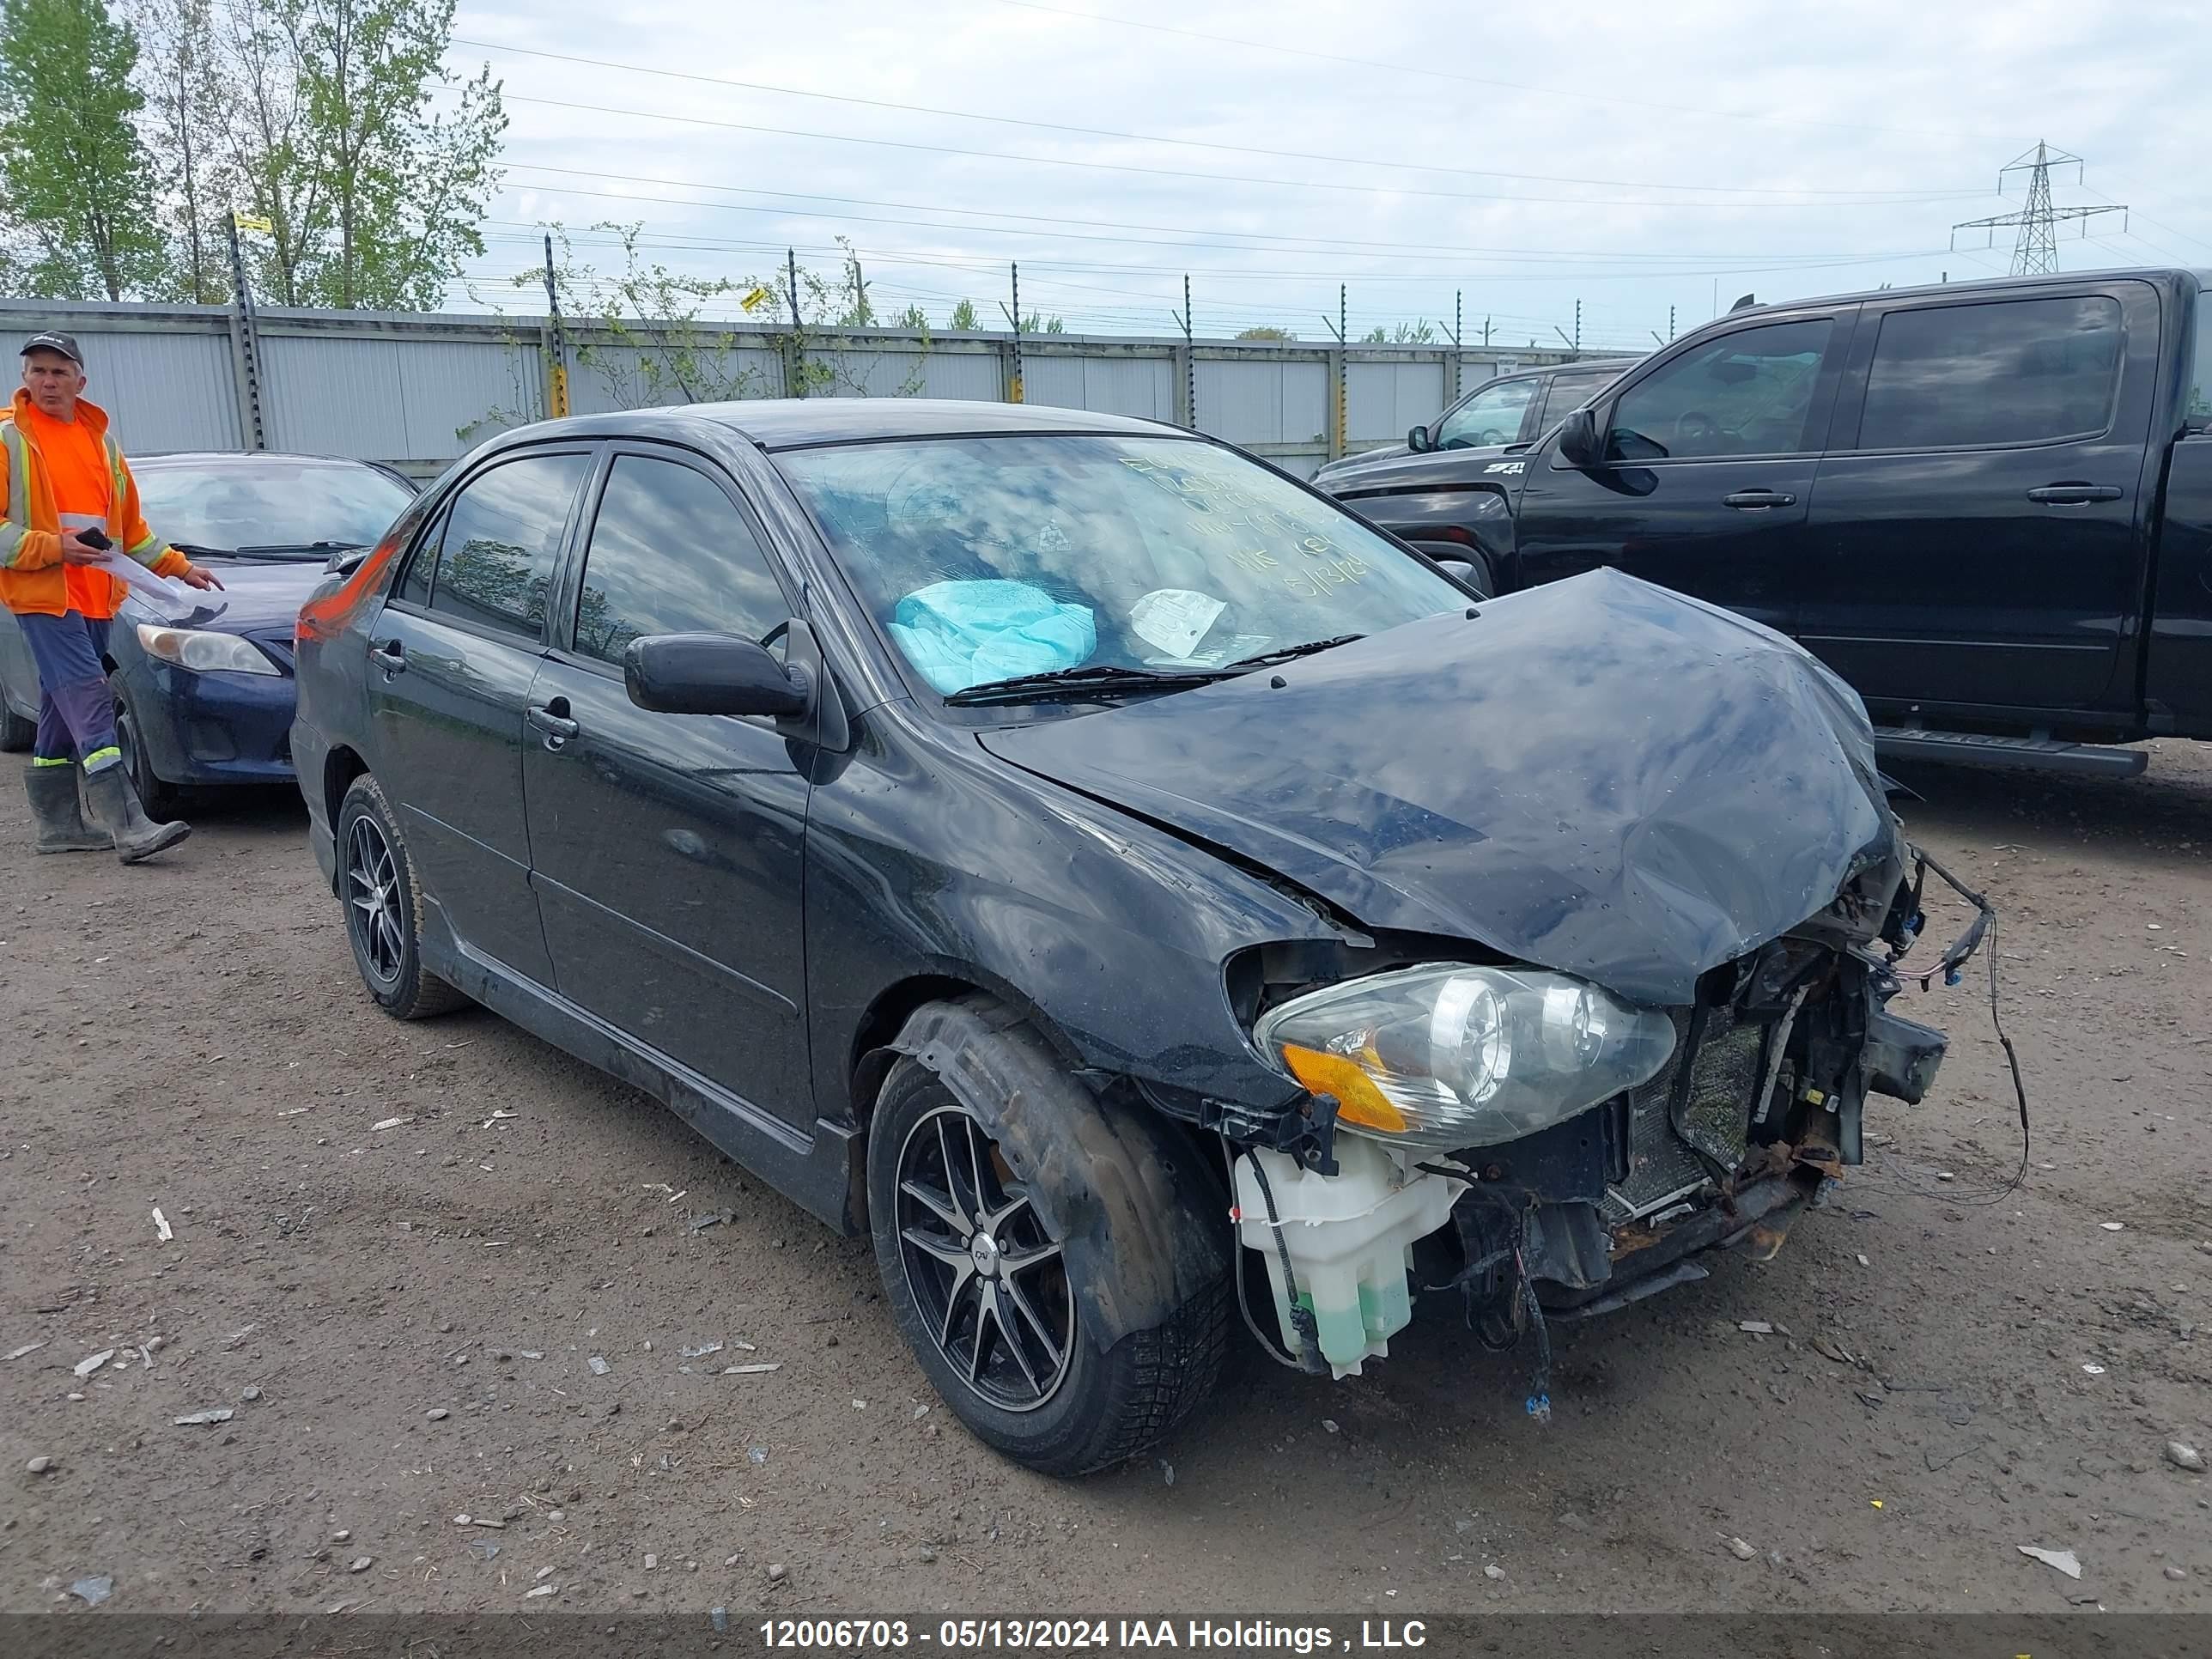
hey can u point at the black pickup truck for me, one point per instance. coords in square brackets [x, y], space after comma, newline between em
[1988, 506]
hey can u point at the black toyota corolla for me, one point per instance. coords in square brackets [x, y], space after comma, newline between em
[1116, 879]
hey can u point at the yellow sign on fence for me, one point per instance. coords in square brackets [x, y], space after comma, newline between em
[757, 299]
[252, 222]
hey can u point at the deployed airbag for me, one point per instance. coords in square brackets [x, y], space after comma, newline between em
[959, 633]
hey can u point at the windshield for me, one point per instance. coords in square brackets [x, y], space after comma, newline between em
[276, 505]
[988, 558]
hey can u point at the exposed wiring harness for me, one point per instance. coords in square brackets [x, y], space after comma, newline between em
[1980, 932]
[1501, 1309]
[1302, 1317]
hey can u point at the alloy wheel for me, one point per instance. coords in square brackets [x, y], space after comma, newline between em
[990, 1282]
[373, 902]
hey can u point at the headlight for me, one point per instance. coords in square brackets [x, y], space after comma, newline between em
[1454, 1056]
[188, 647]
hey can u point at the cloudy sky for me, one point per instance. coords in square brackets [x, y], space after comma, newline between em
[1648, 161]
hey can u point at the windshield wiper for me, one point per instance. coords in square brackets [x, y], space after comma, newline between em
[1095, 679]
[1285, 653]
[196, 550]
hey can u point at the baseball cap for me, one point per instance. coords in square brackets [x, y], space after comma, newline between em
[54, 341]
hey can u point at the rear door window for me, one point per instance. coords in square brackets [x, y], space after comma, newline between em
[2010, 372]
[502, 541]
[669, 554]
[1749, 392]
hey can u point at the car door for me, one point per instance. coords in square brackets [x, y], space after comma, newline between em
[452, 659]
[1975, 536]
[1708, 458]
[668, 850]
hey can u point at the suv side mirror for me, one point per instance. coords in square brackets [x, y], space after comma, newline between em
[713, 674]
[1418, 441]
[1578, 440]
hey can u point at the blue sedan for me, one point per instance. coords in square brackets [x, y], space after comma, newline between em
[203, 690]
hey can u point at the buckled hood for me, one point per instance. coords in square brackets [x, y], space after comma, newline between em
[1597, 776]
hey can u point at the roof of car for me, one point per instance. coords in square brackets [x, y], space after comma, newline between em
[784, 423]
[241, 457]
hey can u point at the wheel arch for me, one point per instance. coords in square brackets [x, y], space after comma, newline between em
[1118, 1186]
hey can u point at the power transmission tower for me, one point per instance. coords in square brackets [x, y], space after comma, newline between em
[2036, 252]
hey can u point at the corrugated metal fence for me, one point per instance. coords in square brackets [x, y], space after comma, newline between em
[417, 390]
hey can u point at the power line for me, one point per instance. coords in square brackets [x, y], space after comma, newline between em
[1475, 80]
[1330, 244]
[1883, 196]
[1338, 249]
[1771, 264]
[1203, 178]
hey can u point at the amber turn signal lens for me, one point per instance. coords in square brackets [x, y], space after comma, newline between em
[1357, 1100]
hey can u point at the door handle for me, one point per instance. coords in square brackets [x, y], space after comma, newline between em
[1749, 499]
[2074, 495]
[549, 719]
[392, 657]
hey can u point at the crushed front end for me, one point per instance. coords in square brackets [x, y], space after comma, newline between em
[1444, 1143]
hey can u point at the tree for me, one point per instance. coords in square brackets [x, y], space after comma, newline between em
[373, 196]
[857, 312]
[819, 355]
[1265, 333]
[913, 317]
[660, 348]
[404, 189]
[181, 71]
[79, 182]
[963, 318]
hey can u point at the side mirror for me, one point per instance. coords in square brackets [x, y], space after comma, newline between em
[1578, 442]
[1418, 441]
[1457, 568]
[345, 562]
[712, 674]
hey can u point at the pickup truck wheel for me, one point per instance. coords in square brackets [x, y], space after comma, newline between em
[16, 733]
[987, 1301]
[384, 909]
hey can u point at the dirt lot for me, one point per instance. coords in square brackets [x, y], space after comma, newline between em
[402, 1318]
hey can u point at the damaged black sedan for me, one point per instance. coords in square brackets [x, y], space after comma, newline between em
[1116, 879]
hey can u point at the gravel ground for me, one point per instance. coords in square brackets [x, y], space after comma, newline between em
[402, 1252]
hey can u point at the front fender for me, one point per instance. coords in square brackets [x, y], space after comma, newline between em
[940, 865]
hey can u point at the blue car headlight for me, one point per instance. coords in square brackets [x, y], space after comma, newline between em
[203, 652]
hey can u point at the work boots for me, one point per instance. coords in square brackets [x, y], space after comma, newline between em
[54, 810]
[115, 804]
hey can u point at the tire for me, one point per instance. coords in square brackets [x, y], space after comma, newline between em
[16, 733]
[384, 909]
[161, 800]
[1095, 1409]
